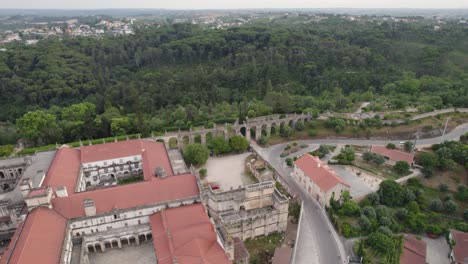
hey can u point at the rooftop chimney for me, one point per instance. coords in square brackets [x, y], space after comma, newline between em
[89, 207]
[61, 191]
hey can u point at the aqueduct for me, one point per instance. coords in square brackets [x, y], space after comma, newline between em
[253, 128]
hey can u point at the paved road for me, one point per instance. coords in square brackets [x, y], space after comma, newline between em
[318, 241]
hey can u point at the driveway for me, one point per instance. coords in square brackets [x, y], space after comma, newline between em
[358, 187]
[437, 250]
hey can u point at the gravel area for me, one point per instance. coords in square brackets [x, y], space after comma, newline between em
[228, 171]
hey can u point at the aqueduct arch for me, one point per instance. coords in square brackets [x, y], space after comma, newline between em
[251, 129]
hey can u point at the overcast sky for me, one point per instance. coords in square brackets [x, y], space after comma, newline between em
[230, 4]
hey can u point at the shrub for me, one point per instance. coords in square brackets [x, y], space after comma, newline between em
[450, 206]
[443, 187]
[385, 221]
[350, 208]
[435, 205]
[391, 193]
[196, 154]
[401, 167]
[369, 211]
[203, 172]
[379, 242]
[433, 229]
[289, 162]
[312, 132]
[385, 230]
[364, 222]
[413, 207]
[465, 215]
[374, 198]
[391, 146]
[402, 213]
[382, 211]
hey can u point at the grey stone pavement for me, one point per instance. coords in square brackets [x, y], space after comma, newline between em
[142, 254]
[437, 250]
[317, 241]
[358, 187]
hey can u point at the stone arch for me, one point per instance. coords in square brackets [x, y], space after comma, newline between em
[274, 129]
[208, 137]
[91, 249]
[243, 131]
[173, 143]
[131, 240]
[2, 175]
[221, 133]
[5, 186]
[291, 123]
[264, 130]
[253, 133]
[149, 237]
[197, 138]
[20, 170]
[97, 247]
[115, 243]
[185, 140]
[142, 237]
[124, 241]
[107, 244]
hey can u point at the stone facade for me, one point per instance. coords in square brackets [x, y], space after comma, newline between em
[251, 211]
[315, 191]
[11, 171]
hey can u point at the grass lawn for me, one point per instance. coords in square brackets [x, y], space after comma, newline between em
[261, 249]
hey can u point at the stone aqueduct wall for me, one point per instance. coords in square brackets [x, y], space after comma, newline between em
[260, 124]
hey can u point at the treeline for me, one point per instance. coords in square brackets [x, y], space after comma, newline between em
[182, 75]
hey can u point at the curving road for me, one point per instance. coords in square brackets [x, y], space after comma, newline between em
[318, 241]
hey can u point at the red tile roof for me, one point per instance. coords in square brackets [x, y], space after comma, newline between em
[392, 154]
[414, 251]
[460, 250]
[38, 240]
[319, 172]
[128, 196]
[154, 156]
[64, 170]
[37, 192]
[113, 150]
[185, 233]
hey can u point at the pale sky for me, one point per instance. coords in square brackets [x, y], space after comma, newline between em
[229, 4]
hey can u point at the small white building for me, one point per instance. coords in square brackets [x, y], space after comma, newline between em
[320, 181]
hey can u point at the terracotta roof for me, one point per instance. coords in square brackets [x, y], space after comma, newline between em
[38, 240]
[414, 251]
[186, 234]
[392, 154]
[282, 255]
[64, 170]
[128, 196]
[113, 150]
[319, 172]
[154, 156]
[460, 252]
[37, 192]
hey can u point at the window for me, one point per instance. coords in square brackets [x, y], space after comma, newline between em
[116, 216]
[94, 178]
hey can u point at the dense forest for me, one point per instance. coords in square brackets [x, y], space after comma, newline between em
[175, 76]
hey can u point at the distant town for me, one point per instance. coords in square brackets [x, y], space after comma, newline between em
[30, 29]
